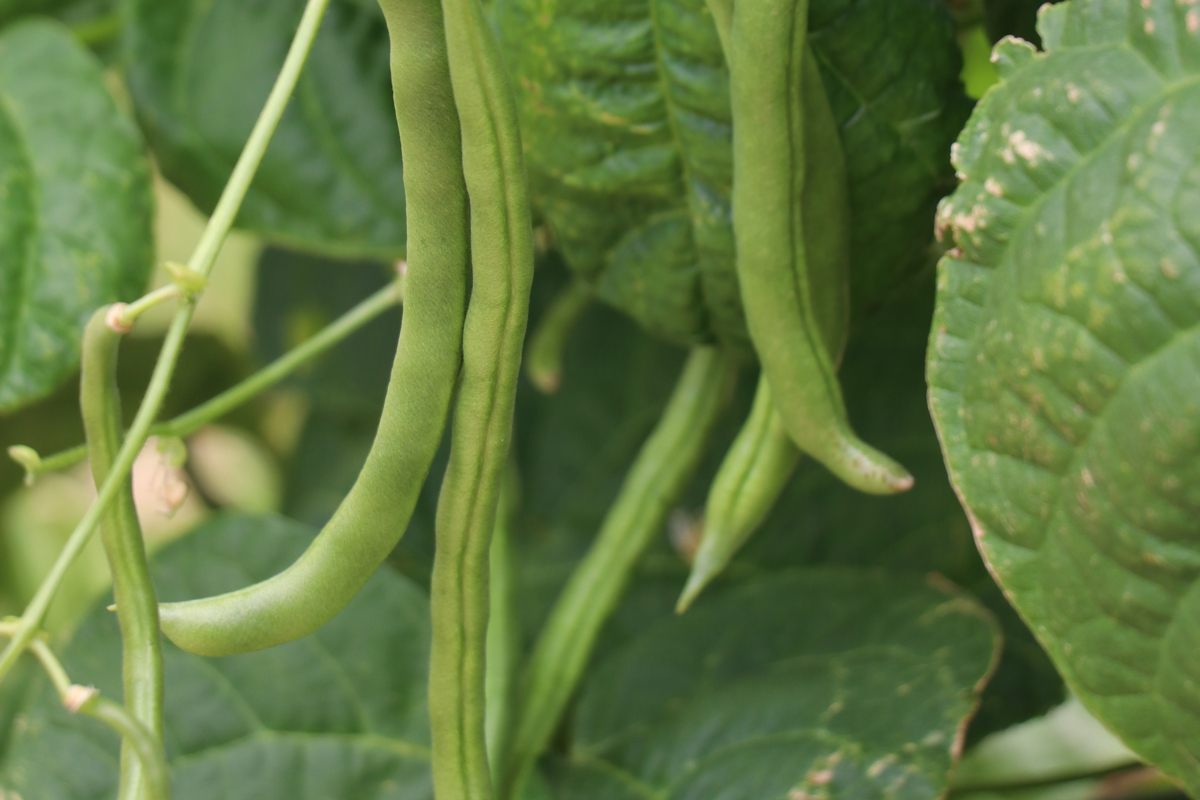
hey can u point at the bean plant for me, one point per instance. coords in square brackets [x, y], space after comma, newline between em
[855, 427]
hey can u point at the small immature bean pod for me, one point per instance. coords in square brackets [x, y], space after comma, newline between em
[374, 515]
[784, 296]
[756, 469]
[502, 275]
[666, 462]
[133, 590]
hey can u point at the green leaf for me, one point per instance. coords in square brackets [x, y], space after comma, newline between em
[626, 123]
[339, 714]
[1064, 364]
[331, 180]
[75, 206]
[814, 684]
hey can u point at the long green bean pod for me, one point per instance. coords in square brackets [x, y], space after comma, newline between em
[785, 297]
[763, 456]
[653, 485]
[502, 274]
[374, 515]
[757, 467]
[133, 590]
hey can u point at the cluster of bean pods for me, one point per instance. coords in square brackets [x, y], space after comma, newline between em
[466, 286]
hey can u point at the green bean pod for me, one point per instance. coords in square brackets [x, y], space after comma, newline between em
[133, 590]
[754, 472]
[763, 457]
[375, 513]
[502, 275]
[788, 300]
[653, 485]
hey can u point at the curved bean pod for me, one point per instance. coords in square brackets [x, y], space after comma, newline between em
[133, 590]
[653, 485]
[374, 515]
[784, 297]
[502, 275]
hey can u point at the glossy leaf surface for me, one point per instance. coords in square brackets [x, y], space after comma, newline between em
[1064, 362]
[815, 684]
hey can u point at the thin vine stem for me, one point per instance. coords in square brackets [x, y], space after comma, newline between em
[201, 262]
[190, 421]
[84, 700]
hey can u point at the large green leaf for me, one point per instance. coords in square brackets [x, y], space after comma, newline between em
[75, 206]
[339, 715]
[199, 72]
[1064, 362]
[816, 684]
[626, 123]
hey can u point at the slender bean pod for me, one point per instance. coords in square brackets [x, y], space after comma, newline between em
[653, 485]
[763, 457]
[784, 296]
[374, 515]
[544, 356]
[133, 589]
[502, 274]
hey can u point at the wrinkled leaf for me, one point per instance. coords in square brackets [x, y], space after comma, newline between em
[626, 124]
[815, 684]
[199, 73]
[1064, 362]
[340, 714]
[75, 206]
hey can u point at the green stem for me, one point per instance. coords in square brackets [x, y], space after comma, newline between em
[544, 355]
[201, 261]
[653, 485]
[77, 699]
[190, 421]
